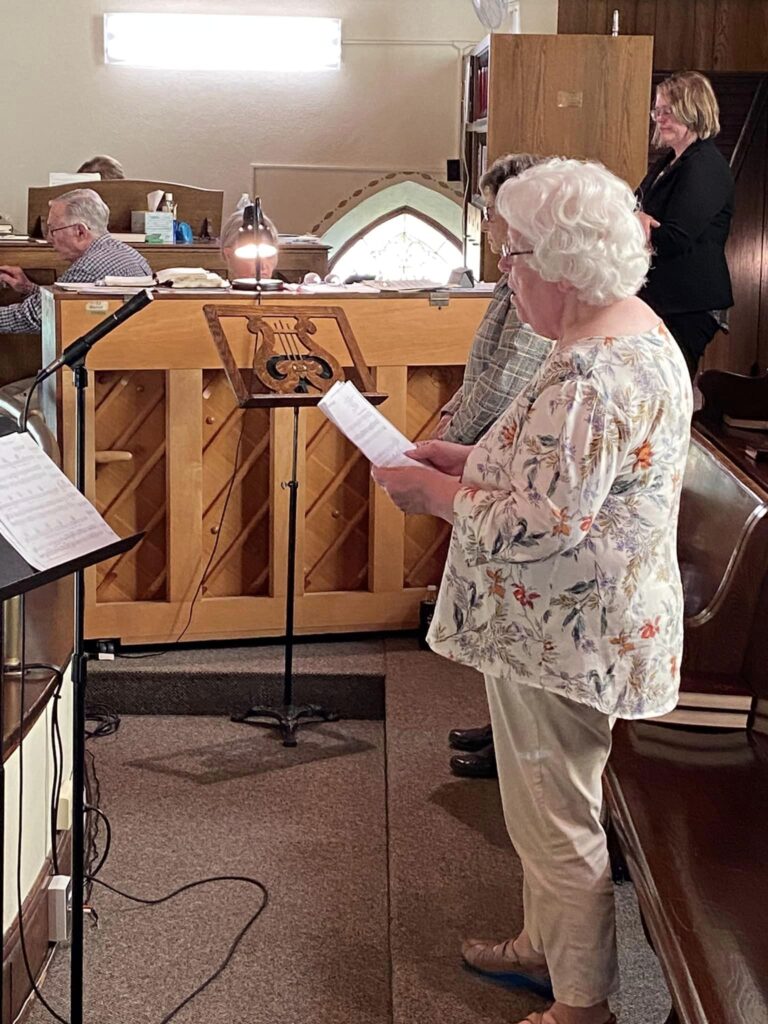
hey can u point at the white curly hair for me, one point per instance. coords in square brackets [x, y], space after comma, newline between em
[580, 221]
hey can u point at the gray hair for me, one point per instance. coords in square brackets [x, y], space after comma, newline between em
[109, 168]
[580, 222]
[86, 207]
[232, 225]
[505, 167]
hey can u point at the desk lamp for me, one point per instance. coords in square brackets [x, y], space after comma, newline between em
[255, 242]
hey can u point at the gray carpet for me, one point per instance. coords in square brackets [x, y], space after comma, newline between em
[377, 862]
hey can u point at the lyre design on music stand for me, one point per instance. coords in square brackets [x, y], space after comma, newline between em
[288, 369]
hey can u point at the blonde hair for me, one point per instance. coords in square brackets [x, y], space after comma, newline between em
[580, 222]
[693, 103]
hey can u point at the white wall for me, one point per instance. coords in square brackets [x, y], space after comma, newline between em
[394, 103]
[538, 17]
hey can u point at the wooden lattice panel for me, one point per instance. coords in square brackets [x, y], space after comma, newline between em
[241, 562]
[337, 485]
[426, 538]
[130, 494]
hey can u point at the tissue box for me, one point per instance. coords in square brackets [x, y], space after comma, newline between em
[158, 228]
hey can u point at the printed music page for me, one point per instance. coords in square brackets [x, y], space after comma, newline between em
[42, 514]
[380, 442]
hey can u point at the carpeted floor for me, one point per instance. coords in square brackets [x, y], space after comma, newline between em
[377, 862]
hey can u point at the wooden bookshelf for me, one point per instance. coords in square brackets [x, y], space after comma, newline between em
[578, 96]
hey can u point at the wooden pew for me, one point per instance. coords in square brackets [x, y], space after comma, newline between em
[687, 806]
[201, 208]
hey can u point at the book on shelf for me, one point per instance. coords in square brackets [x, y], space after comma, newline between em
[703, 718]
[744, 424]
[711, 702]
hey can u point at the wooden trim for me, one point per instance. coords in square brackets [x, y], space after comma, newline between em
[749, 127]
[183, 482]
[660, 928]
[16, 984]
[386, 558]
[38, 689]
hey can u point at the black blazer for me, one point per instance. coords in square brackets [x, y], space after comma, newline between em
[693, 201]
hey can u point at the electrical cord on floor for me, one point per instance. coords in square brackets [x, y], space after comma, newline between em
[207, 569]
[233, 946]
[107, 721]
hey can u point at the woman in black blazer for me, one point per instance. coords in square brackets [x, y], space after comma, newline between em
[686, 208]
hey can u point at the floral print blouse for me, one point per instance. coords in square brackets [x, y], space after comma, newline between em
[562, 571]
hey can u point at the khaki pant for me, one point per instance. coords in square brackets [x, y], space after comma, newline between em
[551, 753]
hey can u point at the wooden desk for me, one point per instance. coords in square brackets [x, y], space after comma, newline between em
[159, 401]
[20, 353]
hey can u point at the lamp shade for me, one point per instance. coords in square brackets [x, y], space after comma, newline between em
[254, 238]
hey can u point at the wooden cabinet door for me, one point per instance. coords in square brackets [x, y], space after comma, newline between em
[575, 96]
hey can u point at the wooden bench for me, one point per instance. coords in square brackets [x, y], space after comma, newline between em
[688, 807]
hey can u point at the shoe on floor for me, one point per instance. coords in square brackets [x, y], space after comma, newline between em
[499, 961]
[480, 765]
[470, 739]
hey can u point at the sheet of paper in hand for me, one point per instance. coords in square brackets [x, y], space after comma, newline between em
[379, 441]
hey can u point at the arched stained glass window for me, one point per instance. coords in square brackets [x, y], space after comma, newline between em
[402, 245]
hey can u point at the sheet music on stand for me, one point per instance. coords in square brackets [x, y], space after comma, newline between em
[379, 441]
[42, 514]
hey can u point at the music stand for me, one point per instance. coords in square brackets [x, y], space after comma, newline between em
[289, 370]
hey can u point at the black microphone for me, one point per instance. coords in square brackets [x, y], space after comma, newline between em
[79, 349]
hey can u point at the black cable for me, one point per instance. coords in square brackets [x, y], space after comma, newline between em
[93, 799]
[207, 569]
[107, 721]
[58, 774]
[233, 947]
[93, 871]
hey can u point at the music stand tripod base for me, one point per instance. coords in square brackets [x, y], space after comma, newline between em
[287, 718]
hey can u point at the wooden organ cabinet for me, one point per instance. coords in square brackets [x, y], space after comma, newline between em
[576, 96]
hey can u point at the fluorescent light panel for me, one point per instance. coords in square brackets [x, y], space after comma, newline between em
[222, 42]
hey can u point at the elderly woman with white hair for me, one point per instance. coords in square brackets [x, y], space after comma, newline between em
[562, 584]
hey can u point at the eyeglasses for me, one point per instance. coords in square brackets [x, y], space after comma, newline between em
[507, 253]
[52, 231]
[658, 112]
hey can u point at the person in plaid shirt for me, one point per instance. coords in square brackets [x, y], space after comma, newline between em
[505, 355]
[76, 228]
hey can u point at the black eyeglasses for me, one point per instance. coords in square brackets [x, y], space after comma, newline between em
[52, 231]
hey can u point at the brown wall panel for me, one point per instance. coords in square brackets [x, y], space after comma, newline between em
[703, 34]
[738, 351]
[725, 35]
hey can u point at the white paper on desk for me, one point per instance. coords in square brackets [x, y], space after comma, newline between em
[380, 442]
[42, 514]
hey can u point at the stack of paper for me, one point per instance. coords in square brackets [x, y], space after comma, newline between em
[42, 514]
[380, 442]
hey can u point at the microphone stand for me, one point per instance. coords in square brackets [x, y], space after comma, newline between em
[79, 682]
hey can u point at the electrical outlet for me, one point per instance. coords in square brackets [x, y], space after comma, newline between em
[59, 908]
